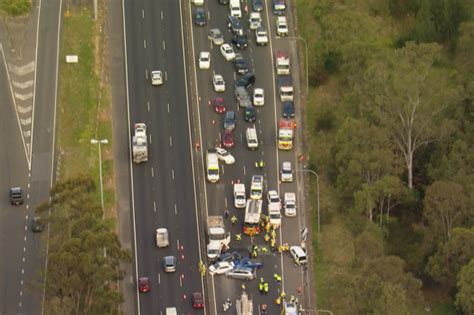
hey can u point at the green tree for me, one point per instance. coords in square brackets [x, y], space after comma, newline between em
[445, 207]
[465, 285]
[362, 155]
[391, 301]
[451, 256]
[84, 255]
[408, 95]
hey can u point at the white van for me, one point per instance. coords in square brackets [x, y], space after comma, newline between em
[298, 254]
[212, 164]
[251, 136]
[234, 8]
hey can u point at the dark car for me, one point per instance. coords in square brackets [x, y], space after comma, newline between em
[230, 257]
[219, 105]
[250, 115]
[229, 120]
[240, 41]
[257, 5]
[197, 300]
[228, 139]
[247, 80]
[37, 225]
[250, 263]
[143, 284]
[235, 26]
[200, 17]
[288, 109]
[240, 65]
[16, 195]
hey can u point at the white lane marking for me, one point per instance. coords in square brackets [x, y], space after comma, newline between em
[175, 209]
[164, 45]
[24, 238]
[28, 185]
[225, 201]
[171, 141]
[172, 173]
[146, 74]
[162, 15]
[24, 249]
[24, 259]
[21, 282]
[151, 139]
[154, 206]
[26, 228]
[168, 105]
[143, 13]
[148, 105]
[22, 271]
[177, 244]
[144, 43]
[166, 75]
[159, 279]
[223, 169]
[245, 173]
[152, 172]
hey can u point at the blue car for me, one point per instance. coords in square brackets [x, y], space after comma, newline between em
[250, 263]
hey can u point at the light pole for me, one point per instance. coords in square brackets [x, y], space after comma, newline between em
[317, 188]
[99, 142]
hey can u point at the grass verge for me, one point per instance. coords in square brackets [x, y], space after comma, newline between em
[15, 7]
[83, 112]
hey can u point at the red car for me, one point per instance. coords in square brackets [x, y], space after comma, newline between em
[219, 105]
[227, 139]
[143, 284]
[197, 300]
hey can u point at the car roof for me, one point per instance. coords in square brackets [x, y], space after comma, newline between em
[286, 164]
[298, 250]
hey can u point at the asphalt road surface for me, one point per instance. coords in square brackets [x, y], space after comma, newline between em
[219, 196]
[23, 256]
[163, 187]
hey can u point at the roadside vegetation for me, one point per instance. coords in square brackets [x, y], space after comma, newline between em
[15, 7]
[84, 250]
[391, 125]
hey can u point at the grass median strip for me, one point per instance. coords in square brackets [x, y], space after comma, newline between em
[83, 114]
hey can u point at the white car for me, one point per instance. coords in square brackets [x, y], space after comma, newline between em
[273, 198]
[156, 77]
[258, 97]
[225, 156]
[261, 36]
[218, 83]
[290, 204]
[227, 51]
[204, 60]
[255, 20]
[286, 172]
[220, 268]
[282, 26]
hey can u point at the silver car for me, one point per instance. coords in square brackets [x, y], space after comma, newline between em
[169, 264]
[286, 172]
[216, 36]
[241, 273]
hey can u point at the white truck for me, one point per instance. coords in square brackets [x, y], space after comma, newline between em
[212, 164]
[218, 237]
[162, 239]
[285, 88]
[282, 63]
[140, 144]
[239, 196]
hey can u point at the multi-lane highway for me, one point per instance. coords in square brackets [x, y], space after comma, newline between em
[29, 166]
[163, 187]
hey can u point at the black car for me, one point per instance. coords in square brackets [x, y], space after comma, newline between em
[229, 120]
[37, 225]
[240, 41]
[288, 109]
[247, 80]
[250, 115]
[16, 196]
[240, 65]
[257, 5]
[200, 17]
[234, 24]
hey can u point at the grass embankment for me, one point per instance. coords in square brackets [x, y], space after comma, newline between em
[15, 7]
[83, 113]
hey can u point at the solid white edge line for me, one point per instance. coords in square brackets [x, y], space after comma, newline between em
[130, 159]
[52, 179]
[190, 138]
